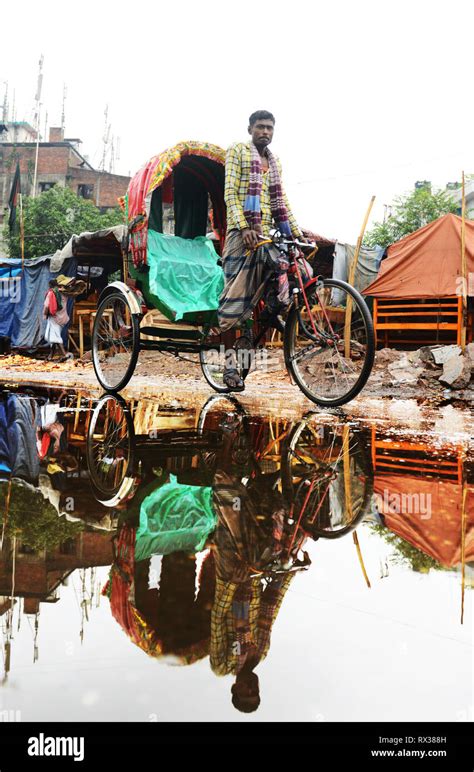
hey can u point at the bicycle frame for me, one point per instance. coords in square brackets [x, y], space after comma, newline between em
[316, 335]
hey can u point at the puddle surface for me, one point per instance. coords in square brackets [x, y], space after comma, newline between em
[164, 563]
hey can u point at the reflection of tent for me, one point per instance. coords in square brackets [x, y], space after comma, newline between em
[427, 514]
[18, 452]
[424, 265]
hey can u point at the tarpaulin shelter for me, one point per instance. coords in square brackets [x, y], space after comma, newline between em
[367, 268]
[419, 286]
[22, 294]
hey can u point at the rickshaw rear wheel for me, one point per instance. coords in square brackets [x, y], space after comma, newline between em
[115, 342]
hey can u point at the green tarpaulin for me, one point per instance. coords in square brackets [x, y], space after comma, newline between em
[183, 275]
[174, 518]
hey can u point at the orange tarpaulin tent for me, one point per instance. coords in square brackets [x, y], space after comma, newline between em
[427, 514]
[427, 263]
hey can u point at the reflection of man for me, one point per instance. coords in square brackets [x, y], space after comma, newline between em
[255, 203]
[243, 611]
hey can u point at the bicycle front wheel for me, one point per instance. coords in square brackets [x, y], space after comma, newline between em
[330, 348]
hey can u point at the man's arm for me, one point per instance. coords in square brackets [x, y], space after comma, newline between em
[233, 172]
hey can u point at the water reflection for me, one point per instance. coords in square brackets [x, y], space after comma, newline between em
[245, 495]
[207, 516]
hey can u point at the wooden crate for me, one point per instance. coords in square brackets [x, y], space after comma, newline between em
[418, 321]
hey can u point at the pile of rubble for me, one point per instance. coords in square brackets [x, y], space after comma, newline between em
[443, 366]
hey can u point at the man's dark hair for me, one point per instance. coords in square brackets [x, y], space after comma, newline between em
[261, 115]
[246, 704]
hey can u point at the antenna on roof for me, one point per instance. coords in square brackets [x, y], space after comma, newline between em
[105, 138]
[5, 103]
[63, 113]
[37, 118]
[112, 155]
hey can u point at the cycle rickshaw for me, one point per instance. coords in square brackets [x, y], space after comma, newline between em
[169, 261]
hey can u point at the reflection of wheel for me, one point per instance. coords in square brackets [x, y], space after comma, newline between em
[329, 359]
[110, 450]
[115, 342]
[326, 475]
[213, 357]
[215, 409]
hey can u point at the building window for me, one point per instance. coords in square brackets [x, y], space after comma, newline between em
[45, 186]
[85, 191]
[68, 547]
[24, 549]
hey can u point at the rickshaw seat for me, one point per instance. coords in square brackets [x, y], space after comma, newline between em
[184, 276]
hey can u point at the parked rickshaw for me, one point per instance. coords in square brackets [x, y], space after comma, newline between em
[175, 234]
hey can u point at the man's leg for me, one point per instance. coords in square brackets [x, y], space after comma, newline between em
[231, 376]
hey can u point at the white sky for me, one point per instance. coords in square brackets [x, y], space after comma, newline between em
[369, 96]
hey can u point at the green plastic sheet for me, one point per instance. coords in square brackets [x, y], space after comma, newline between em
[174, 518]
[183, 276]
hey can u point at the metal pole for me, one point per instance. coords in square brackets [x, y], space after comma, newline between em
[37, 151]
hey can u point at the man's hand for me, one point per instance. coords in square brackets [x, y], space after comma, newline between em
[302, 239]
[251, 238]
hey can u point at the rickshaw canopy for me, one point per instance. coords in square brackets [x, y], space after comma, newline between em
[186, 178]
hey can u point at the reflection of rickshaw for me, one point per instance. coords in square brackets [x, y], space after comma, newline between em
[169, 264]
[162, 583]
[322, 471]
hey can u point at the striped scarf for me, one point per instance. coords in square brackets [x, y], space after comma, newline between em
[252, 210]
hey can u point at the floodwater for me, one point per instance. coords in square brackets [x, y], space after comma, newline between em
[161, 563]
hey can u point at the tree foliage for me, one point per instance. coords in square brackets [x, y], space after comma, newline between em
[51, 218]
[409, 213]
[33, 519]
[406, 553]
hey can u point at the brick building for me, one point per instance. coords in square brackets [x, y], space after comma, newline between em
[60, 162]
[38, 575]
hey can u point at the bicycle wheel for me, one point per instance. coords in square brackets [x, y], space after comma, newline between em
[115, 342]
[110, 450]
[327, 476]
[214, 355]
[329, 359]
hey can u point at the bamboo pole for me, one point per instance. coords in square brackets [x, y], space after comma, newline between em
[352, 270]
[346, 460]
[361, 559]
[463, 266]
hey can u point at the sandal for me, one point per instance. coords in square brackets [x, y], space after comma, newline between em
[233, 380]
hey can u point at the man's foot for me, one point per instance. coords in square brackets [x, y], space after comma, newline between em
[233, 380]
